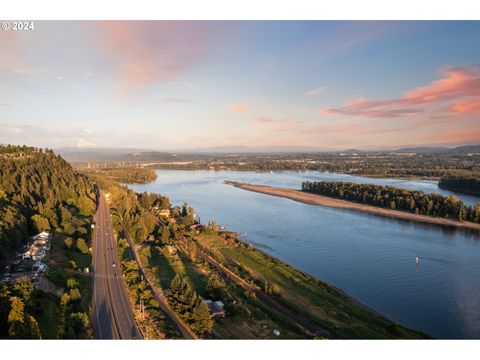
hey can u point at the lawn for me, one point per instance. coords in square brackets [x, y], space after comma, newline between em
[169, 266]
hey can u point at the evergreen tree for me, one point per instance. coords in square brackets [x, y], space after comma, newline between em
[16, 318]
[201, 320]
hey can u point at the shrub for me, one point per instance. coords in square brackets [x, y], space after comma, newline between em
[82, 246]
[72, 283]
[68, 242]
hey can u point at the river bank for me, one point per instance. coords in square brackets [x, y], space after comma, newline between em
[319, 200]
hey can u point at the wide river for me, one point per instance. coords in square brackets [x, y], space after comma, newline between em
[369, 257]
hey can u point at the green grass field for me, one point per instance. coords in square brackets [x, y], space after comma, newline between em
[246, 319]
[321, 302]
[166, 267]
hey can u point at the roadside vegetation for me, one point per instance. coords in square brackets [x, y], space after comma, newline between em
[148, 314]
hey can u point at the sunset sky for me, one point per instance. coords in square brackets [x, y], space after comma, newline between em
[180, 85]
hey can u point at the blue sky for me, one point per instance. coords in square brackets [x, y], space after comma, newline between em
[179, 85]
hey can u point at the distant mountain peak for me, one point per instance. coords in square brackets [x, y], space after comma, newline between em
[85, 144]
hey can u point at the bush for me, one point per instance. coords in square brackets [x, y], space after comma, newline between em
[272, 289]
[68, 242]
[249, 294]
[72, 283]
[75, 294]
[82, 246]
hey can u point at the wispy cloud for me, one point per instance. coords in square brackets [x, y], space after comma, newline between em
[465, 106]
[28, 71]
[277, 124]
[147, 53]
[238, 108]
[459, 86]
[316, 91]
[69, 133]
[5, 103]
[176, 101]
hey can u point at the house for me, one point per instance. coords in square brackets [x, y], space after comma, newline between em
[39, 254]
[164, 212]
[41, 244]
[216, 308]
[42, 236]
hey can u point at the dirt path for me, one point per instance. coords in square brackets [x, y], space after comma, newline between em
[319, 200]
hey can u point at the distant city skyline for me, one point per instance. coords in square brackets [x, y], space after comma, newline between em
[172, 85]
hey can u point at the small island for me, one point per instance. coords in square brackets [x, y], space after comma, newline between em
[311, 198]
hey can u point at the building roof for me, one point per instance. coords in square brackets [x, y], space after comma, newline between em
[216, 308]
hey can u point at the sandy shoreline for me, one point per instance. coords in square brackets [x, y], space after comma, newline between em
[319, 200]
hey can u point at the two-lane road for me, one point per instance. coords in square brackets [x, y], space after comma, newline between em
[112, 313]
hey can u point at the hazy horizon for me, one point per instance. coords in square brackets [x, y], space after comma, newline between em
[180, 85]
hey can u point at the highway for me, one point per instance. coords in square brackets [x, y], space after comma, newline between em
[112, 315]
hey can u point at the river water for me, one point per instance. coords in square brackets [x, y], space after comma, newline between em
[369, 257]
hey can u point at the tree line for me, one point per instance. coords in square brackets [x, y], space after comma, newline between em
[390, 197]
[469, 183]
[126, 175]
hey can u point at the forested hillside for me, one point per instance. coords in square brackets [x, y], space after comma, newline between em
[41, 191]
[34, 184]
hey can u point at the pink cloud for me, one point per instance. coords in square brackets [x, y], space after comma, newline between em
[277, 124]
[146, 52]
[466, 106]
[455, 85]
[238, 108]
